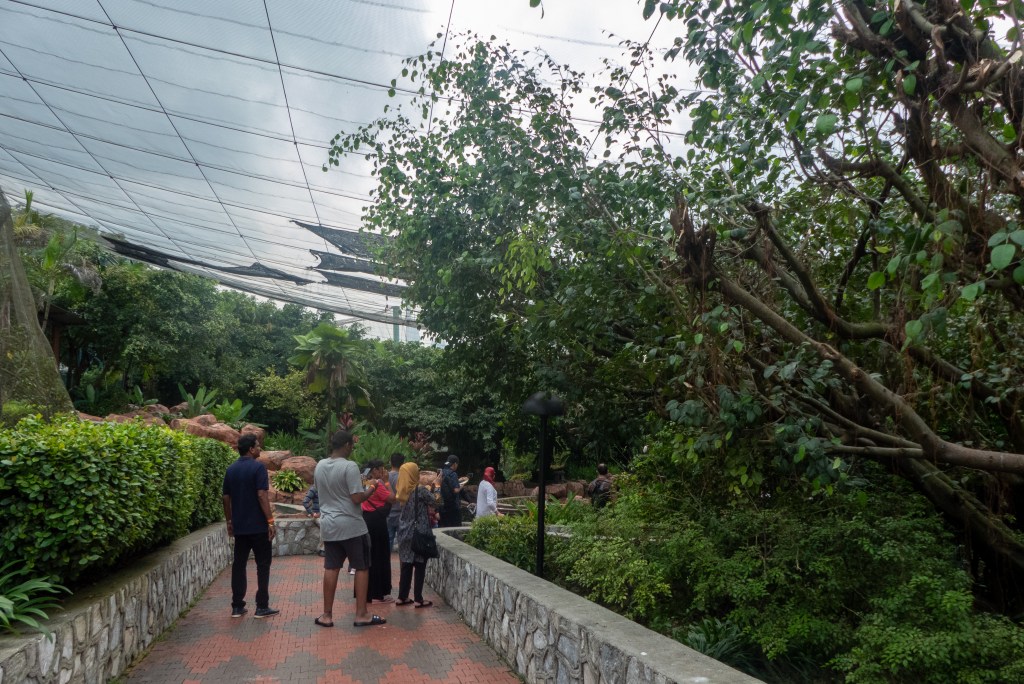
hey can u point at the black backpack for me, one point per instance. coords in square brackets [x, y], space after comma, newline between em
[600, 492]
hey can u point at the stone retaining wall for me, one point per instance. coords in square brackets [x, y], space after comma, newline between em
[103, 628]
[548, 634]
[296, 537]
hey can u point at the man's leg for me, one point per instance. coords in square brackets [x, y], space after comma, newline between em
[263, 551]
[362, 585]
[334, 559]
[243, 545]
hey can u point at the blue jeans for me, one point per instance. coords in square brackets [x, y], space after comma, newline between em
[262, 550]
[392, 531]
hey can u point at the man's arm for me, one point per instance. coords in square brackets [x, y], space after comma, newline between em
[264, 499]
[360, 497]
[226, 500]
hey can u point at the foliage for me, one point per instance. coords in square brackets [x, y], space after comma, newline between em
[282, 441]
[720, 639]
[24, 599]
[13, 411]
[137, 399]
[515, 464]
[426, 389]
[371, 443]
[927, 631]
[232, 413]
[80, 497]
[284, 400]
[287, 481]
[513, 539]
[329, 356]
[200, 403]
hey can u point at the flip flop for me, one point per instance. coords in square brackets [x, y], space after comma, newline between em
[375, 620]
[322, 623]
[425, 604]
[403, 602]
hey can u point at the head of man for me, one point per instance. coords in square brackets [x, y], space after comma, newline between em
[376, 468]
[397, 460]
[342, 443]
[602, 469]
[246, 444]
[452, 462]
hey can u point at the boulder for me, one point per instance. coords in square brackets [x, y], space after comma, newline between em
[275, 496]
[303, 465]
[218, 431]
[556, 490]
[86, 416]
[273, 459]
[260, 433]
[207, 419]
[511, 488]
[156, 410]
[179, 408]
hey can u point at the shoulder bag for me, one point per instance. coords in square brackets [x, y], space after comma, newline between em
[423, 543]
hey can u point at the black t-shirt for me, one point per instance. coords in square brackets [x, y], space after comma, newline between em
[243, 479]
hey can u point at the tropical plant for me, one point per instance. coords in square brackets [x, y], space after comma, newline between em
[137, 399]
[25, 600]
[329, 356]
[283, 441]
[232, 413]
[287, 481]
[199, 403]
[371, 443]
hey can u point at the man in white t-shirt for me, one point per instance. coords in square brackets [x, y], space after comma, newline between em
[342, 528]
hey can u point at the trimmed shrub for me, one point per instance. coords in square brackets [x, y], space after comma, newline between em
[80, 497]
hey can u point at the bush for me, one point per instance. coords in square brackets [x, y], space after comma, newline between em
[287, 481]
[513, 539]
[80, 497]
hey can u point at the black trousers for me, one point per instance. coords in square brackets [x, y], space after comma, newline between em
[261, 549]
[405, 579]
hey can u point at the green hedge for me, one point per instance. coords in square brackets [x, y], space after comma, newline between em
[79, 497]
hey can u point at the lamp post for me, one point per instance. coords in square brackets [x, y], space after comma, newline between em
[545, 405]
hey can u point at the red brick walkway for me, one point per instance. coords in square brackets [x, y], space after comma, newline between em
[416, 645]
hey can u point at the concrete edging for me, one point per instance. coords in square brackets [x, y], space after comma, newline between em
[548, 634]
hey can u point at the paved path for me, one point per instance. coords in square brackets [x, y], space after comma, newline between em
[416, 645]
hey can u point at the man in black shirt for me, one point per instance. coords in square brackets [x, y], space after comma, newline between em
[250, 522]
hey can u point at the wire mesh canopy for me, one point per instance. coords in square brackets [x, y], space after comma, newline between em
[194, 133]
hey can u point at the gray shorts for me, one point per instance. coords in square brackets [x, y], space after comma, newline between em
[356, 550]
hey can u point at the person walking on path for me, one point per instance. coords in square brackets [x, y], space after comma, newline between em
[418, 504]
[487, 495]
[250, 522]
[341, 493]
[451, 513]
[397, 460]
[375, 513]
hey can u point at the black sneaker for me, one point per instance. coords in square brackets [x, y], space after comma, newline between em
[238, 612]
[266, 612]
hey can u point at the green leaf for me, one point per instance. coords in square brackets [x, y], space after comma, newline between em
[1018, 275]
[910, 84]
[971, 292]
[698, 338]
[826, 123]
[876, 280]
[649, 7]
[534, 3]
[913, 329]
[854, 85]
[1002, 256]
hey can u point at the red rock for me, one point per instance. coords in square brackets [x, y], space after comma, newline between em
[86, 416]
[207, 419]
[260, 433]
[273, 459]
[303, 465]
[180, 408]
[220, 432]
[556, 490]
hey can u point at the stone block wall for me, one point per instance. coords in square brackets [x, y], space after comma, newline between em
[296, 537]
[548, 634]
[103, 628]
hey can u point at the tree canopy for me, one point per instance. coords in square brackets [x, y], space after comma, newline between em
[828, 269]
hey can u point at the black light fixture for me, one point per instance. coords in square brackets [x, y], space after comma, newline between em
[545, 405]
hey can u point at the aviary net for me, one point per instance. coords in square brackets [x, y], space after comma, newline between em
[29, 380]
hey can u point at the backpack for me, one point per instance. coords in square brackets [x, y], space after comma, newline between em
[447, 491]
[600, 492]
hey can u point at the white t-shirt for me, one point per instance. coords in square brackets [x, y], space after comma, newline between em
[337, 479]
[486, 499]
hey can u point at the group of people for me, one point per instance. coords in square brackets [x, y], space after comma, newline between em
[359, 523]
[361, 516]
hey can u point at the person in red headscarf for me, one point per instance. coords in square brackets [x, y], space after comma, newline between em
[487, 495]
